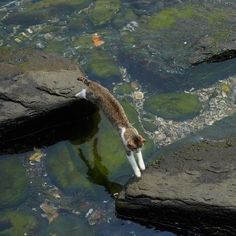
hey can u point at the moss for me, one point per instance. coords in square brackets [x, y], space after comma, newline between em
[124, 89]
[55, 47]
[168, 17]
[124, 17]
[51, 3]
[65, 168]
[103, 11]
[13, 184]
[177, 106]
[83, 43]
[20, 223]
[103, 65]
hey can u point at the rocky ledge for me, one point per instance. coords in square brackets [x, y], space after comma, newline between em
[35, 90]
[191, 190]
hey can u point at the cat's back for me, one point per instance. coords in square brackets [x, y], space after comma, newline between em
[107, 102]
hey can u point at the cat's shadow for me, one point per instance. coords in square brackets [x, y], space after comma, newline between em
[98, 173]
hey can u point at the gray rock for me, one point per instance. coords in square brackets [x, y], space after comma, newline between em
[191, 190]
[35, 86]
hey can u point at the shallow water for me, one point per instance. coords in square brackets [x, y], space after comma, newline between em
[79, 173]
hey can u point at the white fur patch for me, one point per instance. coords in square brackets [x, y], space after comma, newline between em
[123, 129]
[140, 160]
[81, 94]
[134, 165]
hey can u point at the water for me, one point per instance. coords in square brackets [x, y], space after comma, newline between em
[72, 187]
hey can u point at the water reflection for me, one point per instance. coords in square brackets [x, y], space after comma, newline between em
[98, 173]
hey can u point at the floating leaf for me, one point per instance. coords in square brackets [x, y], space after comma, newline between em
[97, 40]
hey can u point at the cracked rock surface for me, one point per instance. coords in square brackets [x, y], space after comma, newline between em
[34, 83]
[192, 189]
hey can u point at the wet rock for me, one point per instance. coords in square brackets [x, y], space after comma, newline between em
[19, 223]
[96, 65]
[66, 169]
[174, 38]
[191, 189]
[14, 183]
[103, 11]
[33, 85]
[177, 106]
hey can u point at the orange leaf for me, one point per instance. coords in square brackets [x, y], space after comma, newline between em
[97, 40]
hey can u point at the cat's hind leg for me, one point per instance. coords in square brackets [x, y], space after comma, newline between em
[140, 160]
[81, 94]
[131, 159]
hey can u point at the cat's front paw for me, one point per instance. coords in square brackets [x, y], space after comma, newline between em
[137, 173]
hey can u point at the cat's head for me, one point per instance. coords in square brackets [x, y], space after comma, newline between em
[132, 139]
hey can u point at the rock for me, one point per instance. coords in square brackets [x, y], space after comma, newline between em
[180, 35]
[14, 184]
[18, 223]
[103, 11]
[177, 106]
[191, 189]
[35, 85]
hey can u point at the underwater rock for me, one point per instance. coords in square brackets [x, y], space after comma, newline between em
[14, 183]
[103, 11]
[174, 38]
[176, 106]
[35, 84]
[102, 65]
[191, 190]
[66, 169]
[19, 223]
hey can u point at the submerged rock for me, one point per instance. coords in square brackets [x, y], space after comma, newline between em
[103, 65]
[103, 11]
[66, 169]
[176, 106]
[174, 38]
[17, 223]
[14, 183]
[191, 189]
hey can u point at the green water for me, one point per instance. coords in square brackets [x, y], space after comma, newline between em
[83, 168]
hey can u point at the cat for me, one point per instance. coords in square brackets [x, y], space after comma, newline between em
[131, 139]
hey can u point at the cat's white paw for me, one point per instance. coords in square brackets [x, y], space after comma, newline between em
[137, 173]
[141, 165]
[81, 94]
[140, 161]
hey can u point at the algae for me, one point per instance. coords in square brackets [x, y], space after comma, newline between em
[177, 106]
[66, 169]
[103, 11]
[19, 223]
[14, 183]
[168, 17]
[103, 65]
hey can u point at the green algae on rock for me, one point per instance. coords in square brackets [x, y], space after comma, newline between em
[168, 17]
[14, 183]
[103, 65]
[19, 223]
[65, 168]
[176, 106]
[103, 11]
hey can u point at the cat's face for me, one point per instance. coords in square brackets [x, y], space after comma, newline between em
[134, 141]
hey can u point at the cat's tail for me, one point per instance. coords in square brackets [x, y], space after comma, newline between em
[84, 80]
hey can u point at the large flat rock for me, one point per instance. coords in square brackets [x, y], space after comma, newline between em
[192, 189]
[34, 84]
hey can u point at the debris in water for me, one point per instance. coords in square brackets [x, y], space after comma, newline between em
[97, 40]
[36, 156]
[50, 212]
